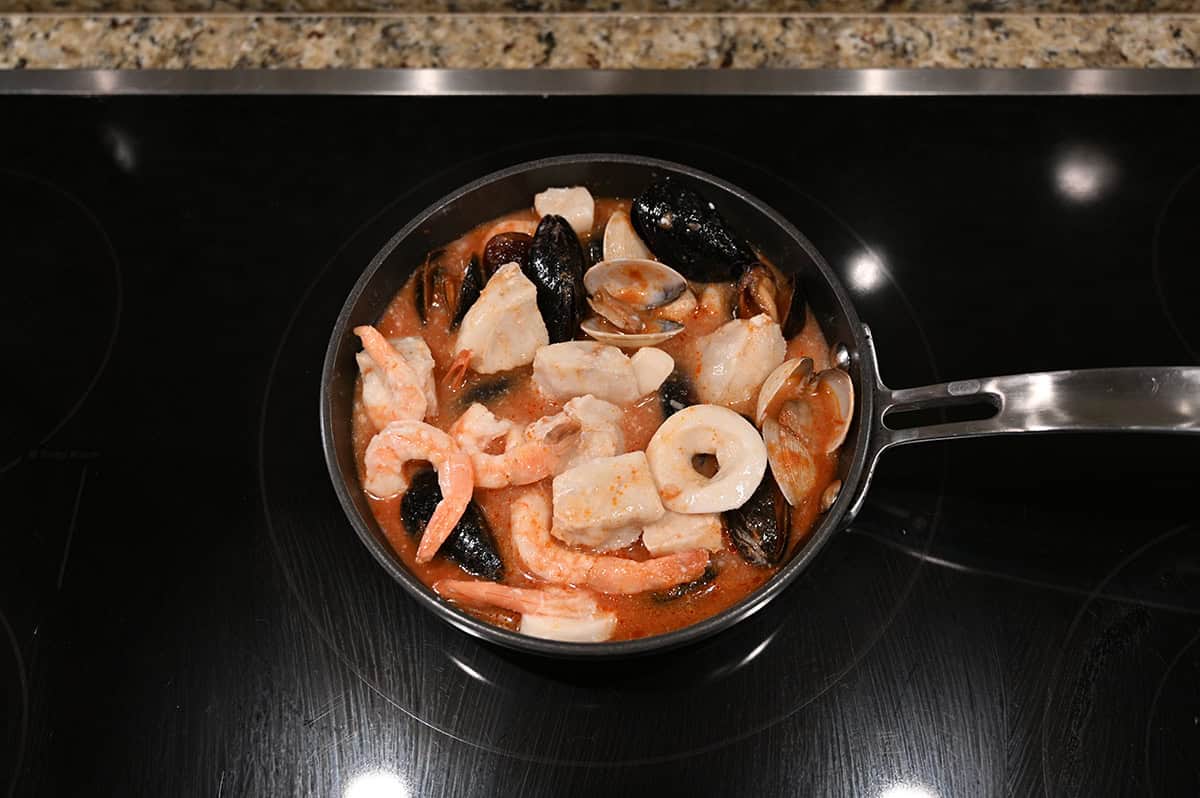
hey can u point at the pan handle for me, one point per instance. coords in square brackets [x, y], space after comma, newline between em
[1143, 399]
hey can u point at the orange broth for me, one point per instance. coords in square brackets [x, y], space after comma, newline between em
[638, 615]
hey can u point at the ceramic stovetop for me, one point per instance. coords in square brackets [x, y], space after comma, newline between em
[186, 611]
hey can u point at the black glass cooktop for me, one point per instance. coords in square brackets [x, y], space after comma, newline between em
[186, 611]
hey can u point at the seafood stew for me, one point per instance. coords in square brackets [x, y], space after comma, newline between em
[598, 419]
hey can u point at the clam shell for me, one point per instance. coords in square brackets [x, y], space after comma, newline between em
[791, 464]
[640, 283]
[595, 328]
[775, 382]
[842, 388]
[621, 240]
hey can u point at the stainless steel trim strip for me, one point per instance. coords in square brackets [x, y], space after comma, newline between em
[449, 82]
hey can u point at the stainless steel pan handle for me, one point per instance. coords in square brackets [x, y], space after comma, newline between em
[1151, 399]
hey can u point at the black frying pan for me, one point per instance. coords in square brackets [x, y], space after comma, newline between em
[1098, 400]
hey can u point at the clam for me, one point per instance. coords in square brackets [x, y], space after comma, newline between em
[792, 463]
[625, 293]
[788, 404]
[790, 374]
[621, 240]
[639, 282]
[794, 380]
[655, 332]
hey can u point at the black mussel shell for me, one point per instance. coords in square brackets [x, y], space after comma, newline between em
[468, 291]
[759, 528]
[686, 231]
[470, 544]
[687, 588]
[757, 292]
[595, 250]
[555, 267]
[794, 316]
[676, 393]
[428, 281]
[485, 390]
[505, 248]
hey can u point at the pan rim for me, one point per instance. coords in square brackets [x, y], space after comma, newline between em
[830, 523]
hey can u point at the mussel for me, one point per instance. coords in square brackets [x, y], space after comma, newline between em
[759, 528]
[443, 280]
[795, 314]
[676, 393]
[486, 389]
[470, 544]
[473, 281]
[505, 248]
[686, 230]
[429, 288]
[555, 267]
[595, 251]
[760, 290]
[697, 586]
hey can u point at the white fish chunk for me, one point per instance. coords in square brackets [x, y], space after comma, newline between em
[651, 367]
[683, 532]
[736, 359]
[574, 204]
[575, 368]
[600, 430]
[504, 328]
[607, 494]
[594, 629]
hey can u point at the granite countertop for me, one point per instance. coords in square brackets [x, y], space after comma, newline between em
[598, 33]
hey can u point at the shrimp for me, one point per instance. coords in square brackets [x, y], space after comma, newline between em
[552, 613]
[545, 558]
[403, 441]
[600, 432]
[400, 394]
[529, 455]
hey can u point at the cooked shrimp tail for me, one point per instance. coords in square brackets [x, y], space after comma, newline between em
[554, 613]
[456, 375]
[408, 400]
[546, 558]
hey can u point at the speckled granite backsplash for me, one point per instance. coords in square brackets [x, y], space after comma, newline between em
[598, 33]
